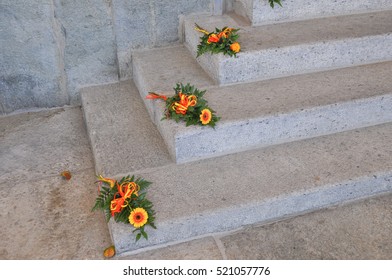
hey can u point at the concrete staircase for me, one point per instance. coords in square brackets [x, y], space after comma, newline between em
[306, 122]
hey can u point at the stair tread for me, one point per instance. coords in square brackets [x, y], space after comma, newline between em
[122, 136]
[285, 49]
[317, 101]
[303, 32]
[294, 93]
[162, 68]
[232, 191]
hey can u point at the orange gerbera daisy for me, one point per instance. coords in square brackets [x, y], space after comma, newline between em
[138, 217]
[235, 47]
[205, 116]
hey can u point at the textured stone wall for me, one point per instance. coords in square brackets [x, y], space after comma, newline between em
[49, 49]
[31, 56]
[90, 46]
[149, 23]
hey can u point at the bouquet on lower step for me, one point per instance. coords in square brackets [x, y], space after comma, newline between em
[125, 201]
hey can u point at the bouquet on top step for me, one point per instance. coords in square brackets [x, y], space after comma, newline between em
[221, 41]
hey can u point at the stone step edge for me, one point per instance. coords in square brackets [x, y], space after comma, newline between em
[261, 14]
[316, 121]
[275, 209]
[220, 67]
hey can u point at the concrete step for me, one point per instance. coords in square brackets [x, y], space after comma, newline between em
[226, 193]
[286, 49]
[123, 139]
[232, 191]
[264, 113]
[260, 13]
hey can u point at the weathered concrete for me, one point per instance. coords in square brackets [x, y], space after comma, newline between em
[48, 217]
[259, 11]
[42, 144]
[32, 54]
[360, 230]
[298, 47]
[90, 50]
[199, 249]
[229, 192]
[140, 24]
[171, 65]
[51, 218]
[122, 137]
[267, 112]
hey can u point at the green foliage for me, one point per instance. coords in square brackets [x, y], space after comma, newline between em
[272, 3]
[192, 116]
[107, 194]
[222, 46]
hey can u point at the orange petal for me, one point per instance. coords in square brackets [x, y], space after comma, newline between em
[109, 252]
[153, 95]
[66, 175]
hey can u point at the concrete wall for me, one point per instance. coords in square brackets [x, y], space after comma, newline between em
[149, 23]
[49, 49]
[31, 56]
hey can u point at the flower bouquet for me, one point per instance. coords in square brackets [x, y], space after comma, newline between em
[187, 104]
[222, 40]
[126, 202]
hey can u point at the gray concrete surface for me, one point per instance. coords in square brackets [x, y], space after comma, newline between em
[58, 223]
[259, 11]
[32, 56]
[141, 24]
[357, 231]
[266, 112]
[44, 216]
[297, 47]
[361, 230]
[122, 137]
[90, 45]
[263, 185]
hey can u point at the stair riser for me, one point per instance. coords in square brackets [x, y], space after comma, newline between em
[308, 58]
[238, 216]
[240, 136]
[260, 13]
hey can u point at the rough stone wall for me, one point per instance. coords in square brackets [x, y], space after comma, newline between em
[31, 56]
[49, 49]
[90, 46]
[149, 23]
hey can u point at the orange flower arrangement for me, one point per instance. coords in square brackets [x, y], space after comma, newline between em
[222, 40]
[125, 201]
[187, 104]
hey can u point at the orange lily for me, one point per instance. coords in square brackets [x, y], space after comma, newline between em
[185, 101]
[213, 38]
[125, 190]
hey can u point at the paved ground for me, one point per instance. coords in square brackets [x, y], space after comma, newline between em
[46, 217]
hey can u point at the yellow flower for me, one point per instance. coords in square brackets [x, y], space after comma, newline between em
[138, 217]
[235, 47]
[205, 116]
